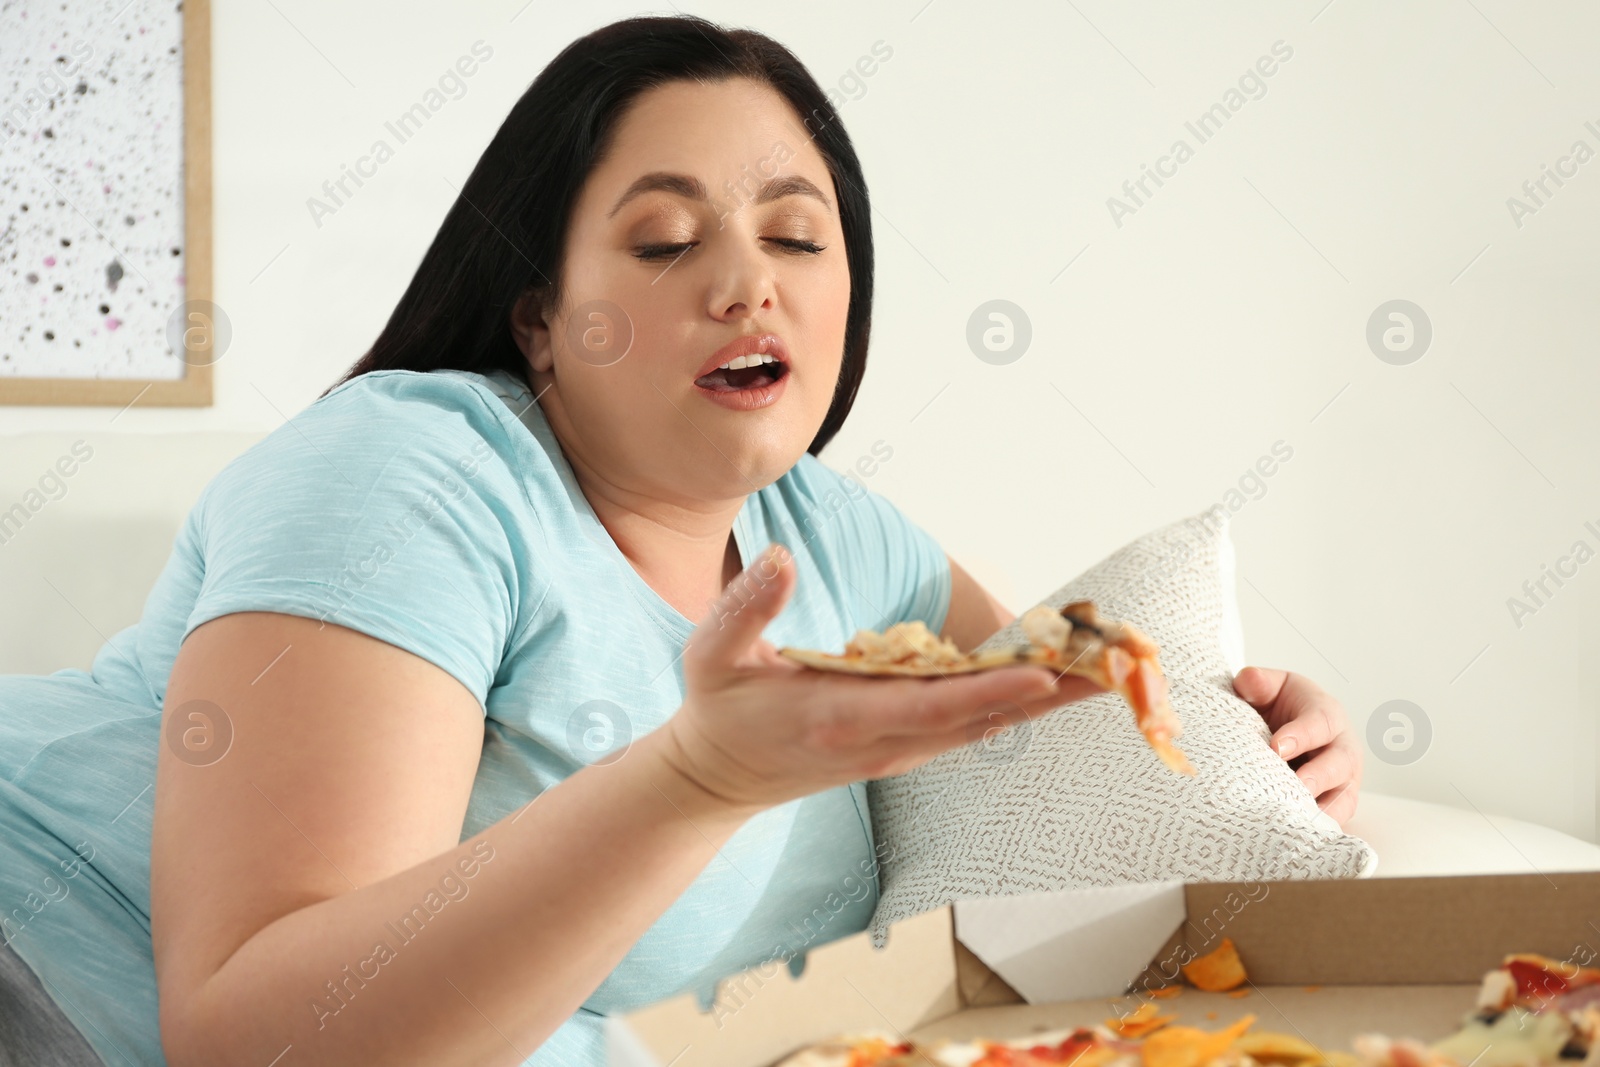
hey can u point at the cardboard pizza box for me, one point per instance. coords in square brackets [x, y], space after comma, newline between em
[1326, 959]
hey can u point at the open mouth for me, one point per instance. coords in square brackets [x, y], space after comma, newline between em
[751, 377]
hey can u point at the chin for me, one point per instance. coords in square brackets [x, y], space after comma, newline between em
[765, 456]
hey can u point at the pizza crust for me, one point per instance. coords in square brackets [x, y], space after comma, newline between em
[923, 666]
[1075, 639]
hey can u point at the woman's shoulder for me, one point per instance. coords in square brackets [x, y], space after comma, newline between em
[438, 405]
[388, 507]
[378, 420]
[388, 437]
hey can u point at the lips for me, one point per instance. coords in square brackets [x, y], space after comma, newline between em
[749, 345]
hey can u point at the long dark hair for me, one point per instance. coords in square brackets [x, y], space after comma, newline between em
[507, 228]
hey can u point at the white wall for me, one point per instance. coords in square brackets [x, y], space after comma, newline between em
[1223, 315]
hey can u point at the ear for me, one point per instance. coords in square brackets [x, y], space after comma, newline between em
[529, 330]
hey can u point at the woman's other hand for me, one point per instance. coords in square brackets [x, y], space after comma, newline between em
[1311, 730]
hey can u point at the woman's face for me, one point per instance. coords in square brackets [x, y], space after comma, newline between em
[615, 366]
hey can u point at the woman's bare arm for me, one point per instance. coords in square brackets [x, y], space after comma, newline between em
[331, 824]
[974, 613]
[278, 869]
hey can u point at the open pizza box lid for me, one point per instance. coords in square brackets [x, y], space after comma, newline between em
[1398, 956]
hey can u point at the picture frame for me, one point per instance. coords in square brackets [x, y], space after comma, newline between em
[188, 331]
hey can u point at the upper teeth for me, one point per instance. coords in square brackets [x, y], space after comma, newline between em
[741, 362]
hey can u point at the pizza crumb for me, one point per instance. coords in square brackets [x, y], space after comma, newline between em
[1140, 1022]
[1312, 988]
[1218, 970]
[1211, 1015]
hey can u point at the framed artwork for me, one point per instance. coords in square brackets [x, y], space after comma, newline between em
[105, 167]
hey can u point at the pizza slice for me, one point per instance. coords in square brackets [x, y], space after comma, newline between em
[1097, 1046]
[1075, 1047]
[1532, 1011]
[861, 1050]
[1075, 639]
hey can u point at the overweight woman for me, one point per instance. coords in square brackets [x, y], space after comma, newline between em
[454, 722]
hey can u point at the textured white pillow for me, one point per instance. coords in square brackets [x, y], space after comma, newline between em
[1076, 798]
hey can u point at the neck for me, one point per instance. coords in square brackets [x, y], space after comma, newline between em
[683, 547]
[685, 551]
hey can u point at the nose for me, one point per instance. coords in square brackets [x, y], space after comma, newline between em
[743, 288]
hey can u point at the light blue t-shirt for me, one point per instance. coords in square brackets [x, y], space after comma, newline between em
[436, 511]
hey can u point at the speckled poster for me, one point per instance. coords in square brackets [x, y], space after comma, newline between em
[91, 188]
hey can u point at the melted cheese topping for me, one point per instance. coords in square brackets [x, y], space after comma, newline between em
[1518, 1038]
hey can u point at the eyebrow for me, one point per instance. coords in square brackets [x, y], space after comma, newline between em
[693, 188]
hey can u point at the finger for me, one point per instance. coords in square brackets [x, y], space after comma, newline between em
[735, 620]
[985, 726]
[1076, 683]
[933, 705]
[896, 755]
[1310, 719]
[975, 722]
[993, 716]
[1358, 757]
[1307, 733]
[996, 716]
[765, 654]
[1340, 803]
[1069, 688]
[1327, 771]
[1259, 686]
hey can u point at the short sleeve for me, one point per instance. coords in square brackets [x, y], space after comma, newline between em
[895, 570]
[382, 507]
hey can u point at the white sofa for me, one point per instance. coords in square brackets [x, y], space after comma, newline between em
[1418, 837]
[78, 568]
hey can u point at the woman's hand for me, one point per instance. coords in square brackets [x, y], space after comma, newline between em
[757, 729]
[1311, 730]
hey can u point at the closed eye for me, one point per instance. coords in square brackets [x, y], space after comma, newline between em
[799, 244]
[794, 244]
[660, 251]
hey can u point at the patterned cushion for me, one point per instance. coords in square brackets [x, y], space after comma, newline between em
[1075, 798]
